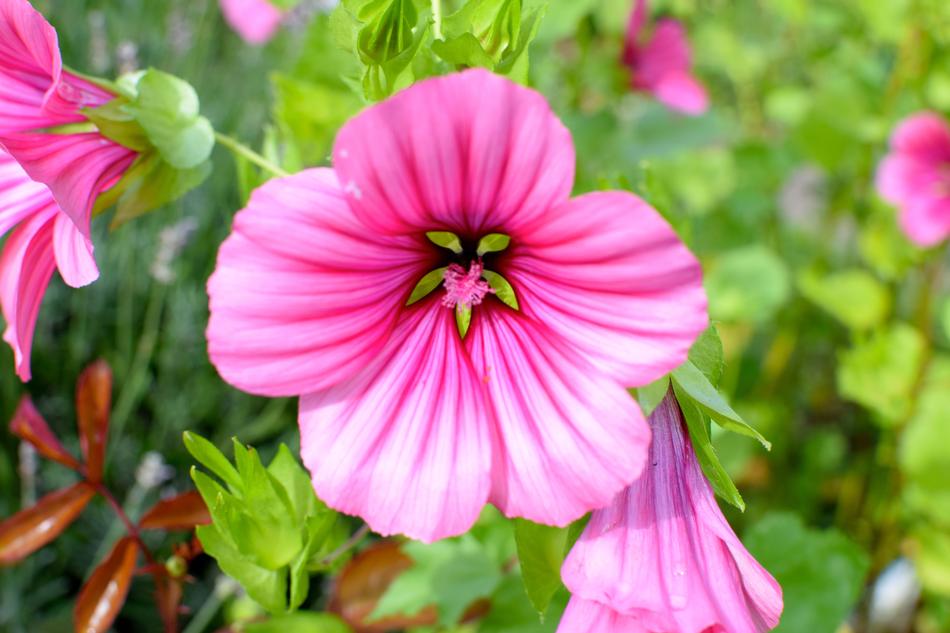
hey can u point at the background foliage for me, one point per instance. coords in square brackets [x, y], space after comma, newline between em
[836, 330]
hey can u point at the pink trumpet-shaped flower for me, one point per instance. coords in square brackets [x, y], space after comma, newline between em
[662, 558]
[661, 62]
[256, 21]
[52, 215]
[403, 420]
[915, 177]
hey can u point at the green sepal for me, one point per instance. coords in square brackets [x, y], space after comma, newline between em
[426, 285]
[502, 287]
[148, 184]
[463, 319]
[493, 243]
[445, 239]
[114, 122]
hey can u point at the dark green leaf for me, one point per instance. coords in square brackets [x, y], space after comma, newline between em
[541, 550]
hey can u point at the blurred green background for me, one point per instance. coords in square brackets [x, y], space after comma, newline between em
[836, 330]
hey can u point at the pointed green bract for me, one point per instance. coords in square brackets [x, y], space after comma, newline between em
[502, 287]
[463, 319]
[493, 243]
[446, 239]
[426, 285]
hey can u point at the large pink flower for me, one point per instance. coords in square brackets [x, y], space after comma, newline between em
[915, 177]
[662, 558]
[52, 218]
[254, 20]
[404, 421]
[661, 62]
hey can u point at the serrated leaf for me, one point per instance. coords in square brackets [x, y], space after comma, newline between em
[208, 455]
[694, 385]
[288, 471]
[697, 423]
[267, 587]
[541, 550]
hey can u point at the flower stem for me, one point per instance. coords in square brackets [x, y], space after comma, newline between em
[437, 18]
[349, 544]
[240, 149]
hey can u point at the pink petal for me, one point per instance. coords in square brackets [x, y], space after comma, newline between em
[20, 197]
[606, 272]
[469, 152]
[666, 53]
[26, 266]
[254, 20]
[926, 220]
[682, 92]
[74, 253]
[404, 444]
[902, 178]
[587, 616]
[663, 553]
[568, 438]
[75, 167]
[925, 136]
[34, 92]
[304, 296]
[638, 19]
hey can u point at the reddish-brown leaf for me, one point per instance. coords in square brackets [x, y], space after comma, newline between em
[183, 512]
[28, 530]
[29, 425]
[168, 594]
[363, 582]
[93, 402]
[102, 597]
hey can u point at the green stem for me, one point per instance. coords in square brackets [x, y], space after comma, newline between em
[437, 18]
[242, 150]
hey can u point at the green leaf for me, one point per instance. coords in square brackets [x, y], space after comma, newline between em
[514, 62]
[299, 623]
[167, 108]
[541, 550]
[879, 372]
[931, 554]
[748, 284]
[651, 395]
[706, 354]
[502, 287]
[512, 612]
[854, 297]
[427, 284]
[693, 384]
[697, 424]
[214, 460]
[945, 318]
[117, 124]
[493, 243]
[821, 573]
[291, 475]
[463, 51]
[267, 587]
[151, 183]
[461, 581]
[445, 239]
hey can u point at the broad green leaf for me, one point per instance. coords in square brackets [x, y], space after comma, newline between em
[300, 623]
[426, 285]
[692, 383]
[698, 425]
[502, 287]
[541, 551]
[412, 590]
[650, 396]
[268, 588]
[167, 108]
[821, 573]
[706, 354]
[880, 372]
[512, 612]
[854, 297]
[748, 284]
[214, 460]
[459, 582]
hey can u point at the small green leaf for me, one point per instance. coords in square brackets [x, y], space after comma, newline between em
[214, 460]
[303, 622]
[493, 243]
[698, 425]
[427, 284]
[167, 108]
[463, 319]
[503, 289]
[693, 384]
[651, 395]
[446, 239]
[541, 550]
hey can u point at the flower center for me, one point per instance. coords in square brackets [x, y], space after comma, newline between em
[464, 288]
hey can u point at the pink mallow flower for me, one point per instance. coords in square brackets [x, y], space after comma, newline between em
[662, 558]
[256, 21]
[915, 177]
[51, 215]
[404, 421]
[661, 63]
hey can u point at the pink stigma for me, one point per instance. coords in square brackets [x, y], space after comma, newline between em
[464, 288]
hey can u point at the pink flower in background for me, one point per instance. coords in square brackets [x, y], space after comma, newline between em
[662, 558]
[403, 420]
[661, 62]
[254, 20]
[915, 177]
[52, 219]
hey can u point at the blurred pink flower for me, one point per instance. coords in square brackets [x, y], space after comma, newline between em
[254, 20]
[51, 219]
[662, 558]
[661, 62]
[404, 421]
[915, 177]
